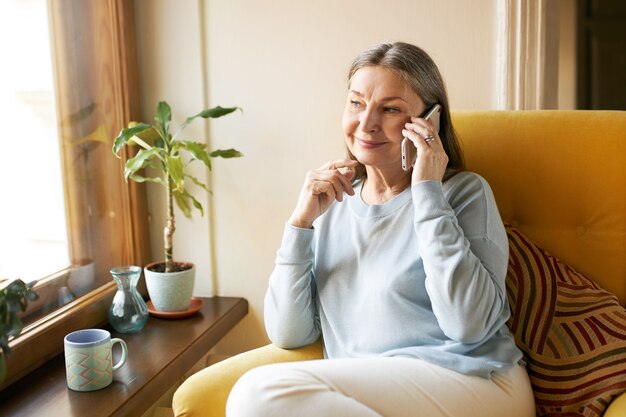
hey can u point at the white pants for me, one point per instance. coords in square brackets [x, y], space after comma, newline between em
[378, 387]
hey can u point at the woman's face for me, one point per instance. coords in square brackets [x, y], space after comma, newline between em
[379, 103]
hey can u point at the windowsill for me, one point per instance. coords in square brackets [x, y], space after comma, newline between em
[158, 356]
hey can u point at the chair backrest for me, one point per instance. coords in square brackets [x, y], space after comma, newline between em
[560, 178]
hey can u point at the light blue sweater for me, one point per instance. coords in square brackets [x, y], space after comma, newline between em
[421, 275]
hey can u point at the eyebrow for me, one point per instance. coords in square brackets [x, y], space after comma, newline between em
[357, 93]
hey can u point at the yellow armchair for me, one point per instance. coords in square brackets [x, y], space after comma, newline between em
[204, 394]
[558, 176]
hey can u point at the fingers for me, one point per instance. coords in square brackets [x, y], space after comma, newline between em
[321, 187]
[331, 181]
[339, 163]
[432, 159]
[318, 187]
[422, 133]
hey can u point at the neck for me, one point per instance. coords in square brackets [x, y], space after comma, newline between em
[380, 186]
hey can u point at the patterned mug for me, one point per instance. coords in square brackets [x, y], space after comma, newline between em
[88, 359]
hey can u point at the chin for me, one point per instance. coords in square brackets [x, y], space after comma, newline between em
[369, 160]
[363, 157]
[380, 162]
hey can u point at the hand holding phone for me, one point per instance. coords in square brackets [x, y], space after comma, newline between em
[409, 151]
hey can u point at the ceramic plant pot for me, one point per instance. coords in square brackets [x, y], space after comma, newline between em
[170, 291]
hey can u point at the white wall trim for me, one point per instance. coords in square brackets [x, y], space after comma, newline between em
[527, 54]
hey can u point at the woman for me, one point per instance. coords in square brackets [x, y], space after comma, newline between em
[401, 273]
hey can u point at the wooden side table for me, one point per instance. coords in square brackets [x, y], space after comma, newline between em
[158, 356]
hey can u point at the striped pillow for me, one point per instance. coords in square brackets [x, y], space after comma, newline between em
[572, 332]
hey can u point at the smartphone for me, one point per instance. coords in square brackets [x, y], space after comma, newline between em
[409, 151]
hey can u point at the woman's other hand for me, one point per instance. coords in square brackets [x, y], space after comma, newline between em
[321, 187]
[432, 159]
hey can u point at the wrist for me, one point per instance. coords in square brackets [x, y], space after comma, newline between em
[299, 223]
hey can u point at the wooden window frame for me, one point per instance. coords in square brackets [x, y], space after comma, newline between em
[115, 64]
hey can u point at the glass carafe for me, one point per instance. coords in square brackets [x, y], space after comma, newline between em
[128, 312]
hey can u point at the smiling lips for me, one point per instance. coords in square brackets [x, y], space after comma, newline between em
[369, 144]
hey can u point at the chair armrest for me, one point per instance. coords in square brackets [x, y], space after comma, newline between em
[205, 393]
[617, 408]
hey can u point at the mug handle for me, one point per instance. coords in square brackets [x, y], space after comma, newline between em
[122, 360]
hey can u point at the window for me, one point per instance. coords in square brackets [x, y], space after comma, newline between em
[81, 213]
[31, 167]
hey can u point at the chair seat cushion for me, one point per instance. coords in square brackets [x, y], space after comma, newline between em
[572, 332]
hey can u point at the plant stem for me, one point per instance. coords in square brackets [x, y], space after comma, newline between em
[168, 232]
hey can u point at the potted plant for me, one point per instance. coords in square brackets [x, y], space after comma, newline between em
[170, 283]
[13, 299]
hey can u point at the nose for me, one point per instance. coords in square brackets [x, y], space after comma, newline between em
[369, 120]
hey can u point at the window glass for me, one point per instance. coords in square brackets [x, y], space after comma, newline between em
[33, 241]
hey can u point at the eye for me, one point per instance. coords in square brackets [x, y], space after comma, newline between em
[391, 110]
[355, 104]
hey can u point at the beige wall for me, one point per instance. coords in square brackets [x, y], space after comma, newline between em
[285, 63]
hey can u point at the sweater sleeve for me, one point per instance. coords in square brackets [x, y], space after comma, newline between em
[291, 318]
[464, 250]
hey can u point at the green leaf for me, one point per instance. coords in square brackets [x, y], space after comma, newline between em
[150, 135]
[195, 202]
[163, 117]
[30, 294]
[126, 134]
[15, 326]
[214, 112]
[13, 298]
[198, 182]
[4, 344]
[139, 178]
[176, 170]
[197, 151]
[13, 305]
[183, 198]
[159, 143]
[182, 201]
[16, 287]
[226, 153]
[139, 161]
